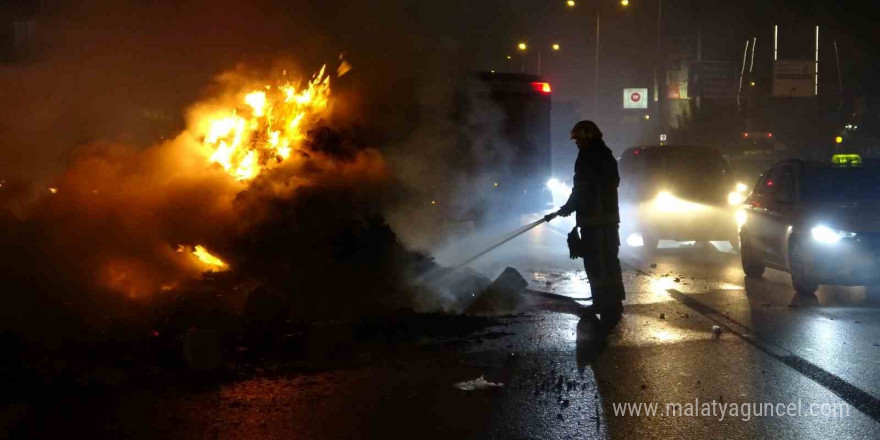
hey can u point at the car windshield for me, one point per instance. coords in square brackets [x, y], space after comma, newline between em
[842, 184]
[689, 174]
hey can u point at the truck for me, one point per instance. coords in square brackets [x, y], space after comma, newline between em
[503, 159]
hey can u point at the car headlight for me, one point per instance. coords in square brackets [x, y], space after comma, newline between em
[741, 187]
[735, 198]
[741, 218]
[824, 234]
[665, 202]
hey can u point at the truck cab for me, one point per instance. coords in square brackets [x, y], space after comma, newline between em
[503, 122]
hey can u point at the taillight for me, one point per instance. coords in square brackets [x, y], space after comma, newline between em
[542, 87]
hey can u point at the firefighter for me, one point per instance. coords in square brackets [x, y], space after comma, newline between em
[594, 199]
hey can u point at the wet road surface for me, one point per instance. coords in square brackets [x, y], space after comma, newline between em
[774, 348]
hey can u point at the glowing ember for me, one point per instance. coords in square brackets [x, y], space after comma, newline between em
[267, 128]
[53, 190]
[205, 257]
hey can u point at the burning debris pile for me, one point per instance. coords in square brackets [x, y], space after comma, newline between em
[262, 190]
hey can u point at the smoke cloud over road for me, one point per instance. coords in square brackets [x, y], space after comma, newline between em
[117, 185]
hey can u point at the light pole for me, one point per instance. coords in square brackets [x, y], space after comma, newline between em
[572, 4]
[658, 63]
[554, 47]
[523, 47]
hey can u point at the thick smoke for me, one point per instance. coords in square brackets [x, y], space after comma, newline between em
[101, 113]
[450, 162]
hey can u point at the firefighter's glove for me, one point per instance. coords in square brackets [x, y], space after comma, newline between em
[563, 212]
[550, 216]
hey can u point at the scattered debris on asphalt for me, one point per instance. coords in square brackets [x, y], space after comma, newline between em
[662, 316]
[716, 330]
[653, 265]
[477, 384]
[509, 293]
[502, 296]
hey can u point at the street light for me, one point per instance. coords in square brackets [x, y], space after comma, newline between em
[657, 62]
[523, 48]
[623, 3]
[570, 3]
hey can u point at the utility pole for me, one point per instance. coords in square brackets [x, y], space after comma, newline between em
[596, 68]
[660, 69]
[699, 63]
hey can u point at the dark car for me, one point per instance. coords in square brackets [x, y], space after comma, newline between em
[817, 221]
[677, 192]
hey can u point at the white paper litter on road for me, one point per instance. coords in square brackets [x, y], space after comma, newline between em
[477, 384]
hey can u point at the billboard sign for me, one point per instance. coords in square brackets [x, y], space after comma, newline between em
[635, 98]
[794, 78]
[717, 79]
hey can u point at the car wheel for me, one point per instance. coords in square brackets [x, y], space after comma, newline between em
[803, 283]
[751, 266]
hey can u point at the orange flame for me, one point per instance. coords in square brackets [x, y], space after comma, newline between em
[269, 127]
[230, 140]
[205, 257]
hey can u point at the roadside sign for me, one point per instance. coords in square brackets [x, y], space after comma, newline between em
[794, 78]
[717, 80]
[635, 98]
[662, 138]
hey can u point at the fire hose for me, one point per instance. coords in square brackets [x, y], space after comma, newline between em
[522, 230]
[570, 304]
[437, 275]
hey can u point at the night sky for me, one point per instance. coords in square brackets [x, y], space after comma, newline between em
[163, 55]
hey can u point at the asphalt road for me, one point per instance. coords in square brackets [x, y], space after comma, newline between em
[775, 348]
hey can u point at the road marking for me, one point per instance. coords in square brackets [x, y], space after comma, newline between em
[858, 398]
